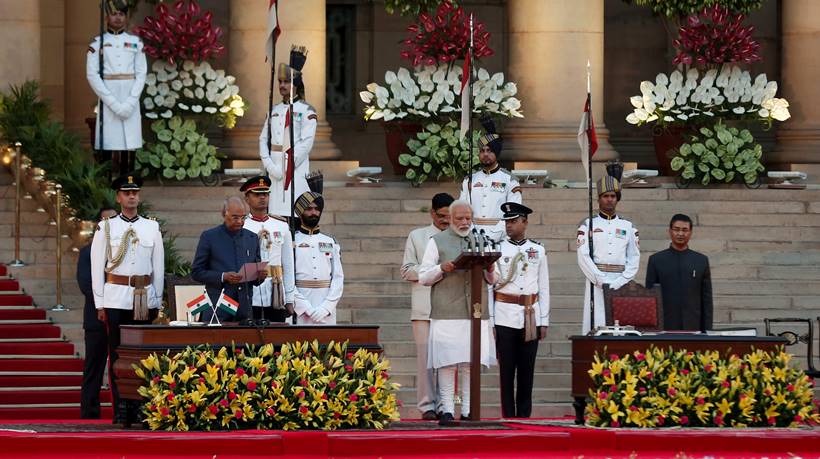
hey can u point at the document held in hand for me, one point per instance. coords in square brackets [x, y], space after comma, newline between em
[250, 271]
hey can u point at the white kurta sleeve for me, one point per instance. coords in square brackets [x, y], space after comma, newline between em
[304, 143]
[410, 262]
[633, 260]
[542, 317]
[272, 161]
[158, 261]
[288, 270]
[430, 271]
[592, 273]
[336, 281]
[98, 266]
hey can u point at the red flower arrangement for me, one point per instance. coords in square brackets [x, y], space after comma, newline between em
[444, 37]
[715, 36]
[181, 32]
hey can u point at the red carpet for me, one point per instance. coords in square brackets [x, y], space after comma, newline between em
[39, 375]
[520, 441]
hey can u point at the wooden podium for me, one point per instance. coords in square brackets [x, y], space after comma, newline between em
[139, 341]
[475, 262]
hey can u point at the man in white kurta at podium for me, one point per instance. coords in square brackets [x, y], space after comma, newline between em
[304, 130]
[273, 298]
[119, 88]
[616, 246]
[450, 312]
[492, 185]
[318, 265]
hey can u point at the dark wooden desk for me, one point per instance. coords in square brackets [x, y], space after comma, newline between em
[139, 341]
[585, 347]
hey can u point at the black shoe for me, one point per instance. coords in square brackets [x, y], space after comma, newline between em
[465, 418]
[445, 419]
[429, 415]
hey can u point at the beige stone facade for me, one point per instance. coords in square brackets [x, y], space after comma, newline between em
[543, 45]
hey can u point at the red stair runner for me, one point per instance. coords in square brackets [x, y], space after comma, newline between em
[52, 393]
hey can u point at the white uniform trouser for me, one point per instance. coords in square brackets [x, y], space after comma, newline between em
[495, 232]
[600, 315]
[425, 387]
[446, 388]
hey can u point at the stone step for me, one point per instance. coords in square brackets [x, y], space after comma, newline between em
[492, 395]
[542, 364]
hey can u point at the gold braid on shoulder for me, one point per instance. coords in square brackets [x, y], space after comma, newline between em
[512, 272]
[116, 260]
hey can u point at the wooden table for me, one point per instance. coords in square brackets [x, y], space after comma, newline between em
[585, 347]
[139, 341]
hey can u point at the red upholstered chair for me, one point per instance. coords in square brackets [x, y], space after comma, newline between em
[633, 304]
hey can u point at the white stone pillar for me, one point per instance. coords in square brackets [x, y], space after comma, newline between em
[82, 24]
[302, 23]
[20, 38]
[799, 137]
[550, 42]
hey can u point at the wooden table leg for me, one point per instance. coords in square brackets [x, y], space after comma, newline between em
[477, 283]
[579, 404]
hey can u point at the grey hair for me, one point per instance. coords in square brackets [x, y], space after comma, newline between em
[233, 200]
[460, 203]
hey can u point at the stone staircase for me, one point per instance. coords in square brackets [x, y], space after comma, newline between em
[764, 247]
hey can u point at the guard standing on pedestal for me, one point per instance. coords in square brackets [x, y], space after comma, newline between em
[273, 298]
[117, 74]
[127, 272]
[519, 310]
[490, 186]
[617, 250]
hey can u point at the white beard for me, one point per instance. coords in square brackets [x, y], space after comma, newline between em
[461, 233]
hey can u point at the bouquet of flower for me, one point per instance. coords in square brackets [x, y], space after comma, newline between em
[728, 94]
[192, 88]
[301, 386]
[180, 33]
[700, 389]
[716, 37]
[431, 91]
[444, 37]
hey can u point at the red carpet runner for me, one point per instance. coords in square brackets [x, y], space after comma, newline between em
[40, 375]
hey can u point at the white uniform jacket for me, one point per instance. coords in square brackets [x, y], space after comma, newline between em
[413, 253]
[529, 259]
[617, 254]
[304, 130]
[276, 248]
[319, 276]
[144, 255]
[489, 191]
[124, 71]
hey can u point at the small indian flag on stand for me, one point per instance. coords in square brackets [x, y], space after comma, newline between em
[199, 304]
[227, 303]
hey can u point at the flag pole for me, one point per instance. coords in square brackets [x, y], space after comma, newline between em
[470, 115]
[590, 231]
[292, 162]
[100, 106]
[270, 99]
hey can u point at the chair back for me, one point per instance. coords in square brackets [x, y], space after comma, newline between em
[633, 304]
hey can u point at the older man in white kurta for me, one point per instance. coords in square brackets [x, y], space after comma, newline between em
[616, 251]
[414, 249]
[119, 88]
[318, 265]
[450, 312]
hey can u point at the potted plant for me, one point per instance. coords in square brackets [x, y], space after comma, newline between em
[721, 154]
[438, 152]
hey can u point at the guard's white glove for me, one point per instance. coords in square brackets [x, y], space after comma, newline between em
[122, 110]
[276, 172]
[617, 283]
[318, 314]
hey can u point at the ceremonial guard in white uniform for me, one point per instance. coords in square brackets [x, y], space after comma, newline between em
[273, 299]
[318, 266]
[491, 185]
[617, 251]
[519, 310]
[127, 268]
[304, 131]
[120, 86]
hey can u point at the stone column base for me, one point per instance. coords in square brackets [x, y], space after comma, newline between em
[800, 145]
[545, 143]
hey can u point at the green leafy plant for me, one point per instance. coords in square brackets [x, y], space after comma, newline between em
[411, 7]
[180, 151]
[436, 151]
[678, 9]
[721, 154]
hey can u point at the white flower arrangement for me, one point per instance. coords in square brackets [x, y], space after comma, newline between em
[729, 94]
[191, 88]
[430, 91]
